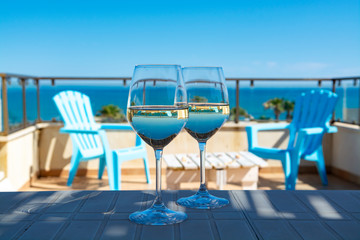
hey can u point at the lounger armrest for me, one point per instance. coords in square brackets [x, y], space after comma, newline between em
[112, 126]
[81, 131]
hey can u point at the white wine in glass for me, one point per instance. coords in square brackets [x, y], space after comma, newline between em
[157, 111]
[208, 111]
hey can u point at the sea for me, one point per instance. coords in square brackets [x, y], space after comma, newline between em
[251, 99]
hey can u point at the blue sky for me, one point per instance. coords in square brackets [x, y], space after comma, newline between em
[252, 38]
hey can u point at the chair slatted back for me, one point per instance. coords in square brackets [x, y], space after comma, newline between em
[312, 109]
[75, 109]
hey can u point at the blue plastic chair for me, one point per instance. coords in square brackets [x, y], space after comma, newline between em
[312, 114]
[89, 139]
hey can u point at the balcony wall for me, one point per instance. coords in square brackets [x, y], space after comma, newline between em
[43, 151]
[56, 149]
[18, 158]
[345, 159]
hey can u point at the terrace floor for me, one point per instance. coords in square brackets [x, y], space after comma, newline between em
[267, 181]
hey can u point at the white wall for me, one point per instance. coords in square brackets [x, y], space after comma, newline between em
[346, 150]
[18, 158]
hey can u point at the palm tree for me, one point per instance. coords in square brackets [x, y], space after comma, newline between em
[199, 99]
[242, 113]
[289, 108]
[111, 113]
[277, 104]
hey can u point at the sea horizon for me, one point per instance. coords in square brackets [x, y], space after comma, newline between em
[250, 98]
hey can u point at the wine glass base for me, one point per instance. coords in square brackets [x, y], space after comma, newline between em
[203, 200]
[157, 214]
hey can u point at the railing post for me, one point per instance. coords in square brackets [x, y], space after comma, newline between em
[334, 91]
[359, 104]
[237, 108]
[144, 94]
[5, 113]
[38, 119]
[24, 101]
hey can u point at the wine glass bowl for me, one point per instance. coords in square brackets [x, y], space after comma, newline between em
[208, 111]
[157, 111]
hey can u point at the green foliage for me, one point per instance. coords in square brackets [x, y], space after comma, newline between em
[242, 113]
[280, 105]
[289, 108]
[277, 104]
[111, 113]
[263, 117]
[199, 99]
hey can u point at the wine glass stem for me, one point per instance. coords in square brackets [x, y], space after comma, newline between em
[158, 156]
[202, 146]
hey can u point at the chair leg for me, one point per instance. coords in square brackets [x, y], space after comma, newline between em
[320, 163]
[111, 160]
[102, 164]
[74, 164]
[146, 167]
[118, 170]
[290, 179]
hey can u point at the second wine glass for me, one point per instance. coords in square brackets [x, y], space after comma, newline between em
[208, 110]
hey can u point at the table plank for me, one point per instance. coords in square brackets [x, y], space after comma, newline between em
[123, 229]
[253, 158]
[228, 229]
[312, 230]
[346, 229]
[81, 230]
[98, 201]
[214, 161]
[227, 160]
[186, 161]
[217, 160]
[244, 162]
[196, 158]
[203, 230]
[275, 230]
[42, 230]
[172, 162]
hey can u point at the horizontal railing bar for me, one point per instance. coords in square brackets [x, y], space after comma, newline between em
[156, 80]
[279, 79]
[15, 75]
[129, 78]
[228, 79]
[290, 79]
[85, 78]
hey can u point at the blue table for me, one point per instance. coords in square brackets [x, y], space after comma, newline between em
[250, 215]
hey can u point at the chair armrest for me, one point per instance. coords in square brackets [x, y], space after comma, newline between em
[311, 131]
[269, 126]
[81, 131]
[301, 140]
[114, 126]
[332, 129]
[254, 129]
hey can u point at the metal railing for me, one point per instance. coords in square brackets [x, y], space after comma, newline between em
[5, 77]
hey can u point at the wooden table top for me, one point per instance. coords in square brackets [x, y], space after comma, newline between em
[250, 215]
[217, 160]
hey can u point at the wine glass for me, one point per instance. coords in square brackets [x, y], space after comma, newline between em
[157, 110]
[208, 110]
